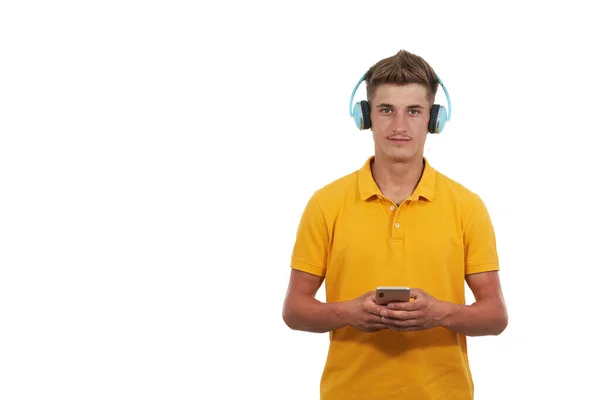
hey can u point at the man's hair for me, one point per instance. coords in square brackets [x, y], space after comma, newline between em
[402, 68]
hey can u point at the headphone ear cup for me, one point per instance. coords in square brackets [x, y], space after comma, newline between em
[442, 117]
[366, 114]
[437, 119]
[357, 113]
[433, 117]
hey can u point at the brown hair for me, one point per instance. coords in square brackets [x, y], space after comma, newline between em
[402, 68]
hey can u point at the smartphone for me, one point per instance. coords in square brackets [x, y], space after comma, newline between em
[388, 294]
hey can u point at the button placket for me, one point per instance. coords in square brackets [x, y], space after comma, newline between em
[395, 225]
[397, 232]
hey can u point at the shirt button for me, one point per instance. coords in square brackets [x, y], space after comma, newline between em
[397, 225]
[392, 208]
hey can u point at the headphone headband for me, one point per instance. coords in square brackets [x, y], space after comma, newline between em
[362, 78]
[447, 96]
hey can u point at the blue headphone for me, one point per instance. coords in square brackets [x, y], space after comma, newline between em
[437, 117]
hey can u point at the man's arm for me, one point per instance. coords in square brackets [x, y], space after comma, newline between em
[302, 311]
[486, 316]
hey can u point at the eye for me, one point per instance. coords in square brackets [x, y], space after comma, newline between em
[413, 111]
[386, 110]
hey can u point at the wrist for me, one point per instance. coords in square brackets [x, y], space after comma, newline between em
[448, 313]
[342, 312]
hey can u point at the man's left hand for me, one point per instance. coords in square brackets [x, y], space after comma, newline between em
[423, 312]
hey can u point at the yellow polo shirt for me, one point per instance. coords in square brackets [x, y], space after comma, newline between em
[358, 240]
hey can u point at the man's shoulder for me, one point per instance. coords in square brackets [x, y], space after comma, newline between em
[458, 190]
[339, 187]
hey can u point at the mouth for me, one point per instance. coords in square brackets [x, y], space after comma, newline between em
[399, 139]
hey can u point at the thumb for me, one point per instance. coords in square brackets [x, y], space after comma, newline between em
[416, 293]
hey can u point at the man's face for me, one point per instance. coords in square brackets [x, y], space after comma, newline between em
[399, 119]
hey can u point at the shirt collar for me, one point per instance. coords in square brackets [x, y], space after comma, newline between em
[368, 188]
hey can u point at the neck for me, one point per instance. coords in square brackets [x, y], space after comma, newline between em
[397, 179]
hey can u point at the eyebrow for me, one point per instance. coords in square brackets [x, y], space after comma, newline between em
[412, 106]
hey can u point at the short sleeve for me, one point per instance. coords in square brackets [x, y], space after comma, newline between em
[481, 254]
[312, 240]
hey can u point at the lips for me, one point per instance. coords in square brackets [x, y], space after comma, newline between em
[399, 138]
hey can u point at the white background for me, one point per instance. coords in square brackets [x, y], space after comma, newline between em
[155, 158]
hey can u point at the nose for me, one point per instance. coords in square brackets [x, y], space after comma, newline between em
[399, 123]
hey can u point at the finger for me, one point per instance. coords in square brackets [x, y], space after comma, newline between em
[376, 323]
[370, 307]
[405, 305]
[407, 329]
[375, 319]
[371, 296]
[379, 326]
[375, 309]
[398, 315]
[417, 293]
[404, 315]
[402, 323]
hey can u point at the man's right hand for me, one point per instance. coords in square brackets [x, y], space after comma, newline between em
[302, 311]
[364, 313]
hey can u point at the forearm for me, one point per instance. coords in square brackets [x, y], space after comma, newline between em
[305, 313]
[484, 317]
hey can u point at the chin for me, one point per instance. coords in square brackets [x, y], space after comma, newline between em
[400, 156]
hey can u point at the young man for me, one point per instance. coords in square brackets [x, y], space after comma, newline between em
[396, 222]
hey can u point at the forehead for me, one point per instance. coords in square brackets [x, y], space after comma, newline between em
[410, 93]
